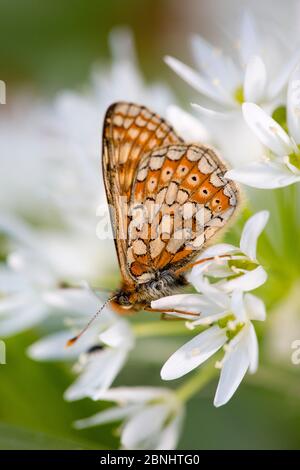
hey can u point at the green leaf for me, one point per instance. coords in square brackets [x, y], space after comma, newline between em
[16, 438]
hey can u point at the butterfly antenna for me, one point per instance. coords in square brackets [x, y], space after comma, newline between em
[73, 340]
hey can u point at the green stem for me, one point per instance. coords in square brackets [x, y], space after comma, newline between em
[162, 328]
[197, 382]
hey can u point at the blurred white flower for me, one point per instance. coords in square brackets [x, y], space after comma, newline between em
[229, 317]
[227, 82]
[77, 184]
[187, 126]
[100, 352]
[233, 267]
[281, 167]
[26, 278]
[151, 417]
[25, 172]
[39, 264]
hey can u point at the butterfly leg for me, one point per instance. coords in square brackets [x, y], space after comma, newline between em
[164, 313]
[196, 263]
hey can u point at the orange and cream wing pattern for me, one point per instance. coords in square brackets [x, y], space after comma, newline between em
[179, 200]
[130, 132]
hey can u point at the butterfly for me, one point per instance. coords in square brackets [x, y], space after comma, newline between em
[167, 199]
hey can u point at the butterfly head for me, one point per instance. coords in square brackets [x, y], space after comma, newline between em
[125, 301]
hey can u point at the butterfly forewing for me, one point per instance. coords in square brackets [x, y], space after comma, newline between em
[130, 132]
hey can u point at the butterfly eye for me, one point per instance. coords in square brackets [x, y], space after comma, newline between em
[123, 299]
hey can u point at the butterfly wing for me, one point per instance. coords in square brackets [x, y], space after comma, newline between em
[184, 199]
[130, 132]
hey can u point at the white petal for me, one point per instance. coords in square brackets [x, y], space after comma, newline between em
[11, 283]
[16, 322]
[233, 371]
[115, 413]
[255, 80]
[248, 281]
[14, 304]
[194, 303]
[170, 434]
[251, 231]
[216, 114]
[212, 269]
[214, 63]
[186, 125]
[124, 395]
[255, 307]
[98, 374]
[220, 249]
[253, 349]
[237, 305]
[53, 347]
[267, 130]
[200, 83]
[263, 175]
[207, 320]
[109, 372]
[193, 353]
[213, 300]
[293, 105]
[144, 427]
[119, 334]
[77, 300]
[282, 77]
[18, 230]
[249, 41]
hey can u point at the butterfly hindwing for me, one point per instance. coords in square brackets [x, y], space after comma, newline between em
[183, 199]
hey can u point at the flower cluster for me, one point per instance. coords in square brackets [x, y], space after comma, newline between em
[158, 407]
[225, 307]
[280, 134]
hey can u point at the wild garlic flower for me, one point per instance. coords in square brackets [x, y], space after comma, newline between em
[226, 82]
[233, 267]
[229, 317]
[280, 135]
[100, 352]
[39, 264]
[151, 417]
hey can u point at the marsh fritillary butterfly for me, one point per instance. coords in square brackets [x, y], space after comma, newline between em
[167, 199]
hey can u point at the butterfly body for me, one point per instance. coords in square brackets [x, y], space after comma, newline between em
[167, 199]
[165, 283]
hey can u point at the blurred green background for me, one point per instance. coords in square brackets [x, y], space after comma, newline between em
[51, 45]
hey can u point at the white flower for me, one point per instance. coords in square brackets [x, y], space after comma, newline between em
[232, 267]
[25, 279]
[38, 264]
[281, 167]
[101, 351]
[75, 126]
[152, 417]
[225, 82]
[230, 322]
[187, 126]
[25, 173]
